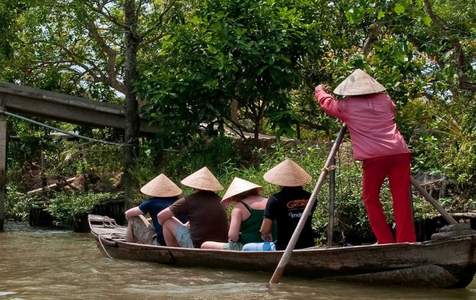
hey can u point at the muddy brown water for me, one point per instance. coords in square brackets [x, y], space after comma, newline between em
[53, 264]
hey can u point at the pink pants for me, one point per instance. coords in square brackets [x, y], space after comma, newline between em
[397, 169]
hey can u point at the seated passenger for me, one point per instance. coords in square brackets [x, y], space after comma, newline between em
[207, 217]
[246, 216]
[164, 193]
[287, 206]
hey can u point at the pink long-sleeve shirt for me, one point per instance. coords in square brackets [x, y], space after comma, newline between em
[370, 120]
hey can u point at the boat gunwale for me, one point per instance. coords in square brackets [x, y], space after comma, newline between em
[356, 248]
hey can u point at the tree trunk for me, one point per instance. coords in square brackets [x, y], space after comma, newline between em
[257, 126]
[234, 108]
[132, 118]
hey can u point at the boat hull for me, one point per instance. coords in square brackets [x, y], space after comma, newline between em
[444, 264]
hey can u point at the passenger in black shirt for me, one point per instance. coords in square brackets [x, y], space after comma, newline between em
[286, 207]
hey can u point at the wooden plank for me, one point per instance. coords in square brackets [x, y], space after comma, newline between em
[67, 108]
[59, 98]
[3, 164]
[50, 186]
[64, 112]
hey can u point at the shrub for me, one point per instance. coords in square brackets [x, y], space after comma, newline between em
[65, 205]
[18, 204]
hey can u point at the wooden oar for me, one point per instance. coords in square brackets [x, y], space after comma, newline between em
[435, 203]
[307, 211]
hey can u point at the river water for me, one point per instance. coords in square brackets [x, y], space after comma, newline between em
[51, 264]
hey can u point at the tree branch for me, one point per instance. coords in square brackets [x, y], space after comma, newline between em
[371, 38]
[110, 56]
[239, 128]
[139, 7]
[460, 60]
[460, 64]
[434, 18]
[159, 23]
[70, 65]
[152, 40]
[97, 75]
[105, 13]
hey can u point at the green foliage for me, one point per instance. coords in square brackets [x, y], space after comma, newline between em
[64, 206]
[216, 154]
[84, 158]
[18, 205]
[246, 51]
[9, 10]
[443, 139]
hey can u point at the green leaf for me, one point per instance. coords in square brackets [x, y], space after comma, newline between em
[399, 8]
[427, 20]
[350, 15]
[380, 14]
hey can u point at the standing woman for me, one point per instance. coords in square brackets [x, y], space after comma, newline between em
[369, 113]
[246, 216]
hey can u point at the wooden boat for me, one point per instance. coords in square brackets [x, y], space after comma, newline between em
[445, 263]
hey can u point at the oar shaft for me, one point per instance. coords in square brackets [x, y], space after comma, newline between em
[435, 203]
[307, 211]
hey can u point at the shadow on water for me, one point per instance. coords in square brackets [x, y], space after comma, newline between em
[53, 264]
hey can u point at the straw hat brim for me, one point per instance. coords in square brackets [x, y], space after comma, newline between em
[287, 173]
[161, 186]
[237, 187]
[359, 83]
[204, 180]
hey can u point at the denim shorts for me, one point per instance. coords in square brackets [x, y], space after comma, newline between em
[233, 246]
[182, 234]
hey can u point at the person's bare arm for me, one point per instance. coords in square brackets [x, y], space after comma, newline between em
[164, 215]
[133, 212]
[266, 228]
[235, 224]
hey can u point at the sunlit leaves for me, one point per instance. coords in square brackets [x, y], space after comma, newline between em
[426, 20]
[399, 8]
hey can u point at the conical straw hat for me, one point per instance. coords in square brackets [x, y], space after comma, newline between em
[203, 179]
[237, 187]
[358, 83]
[287, 173]
[161, 186]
